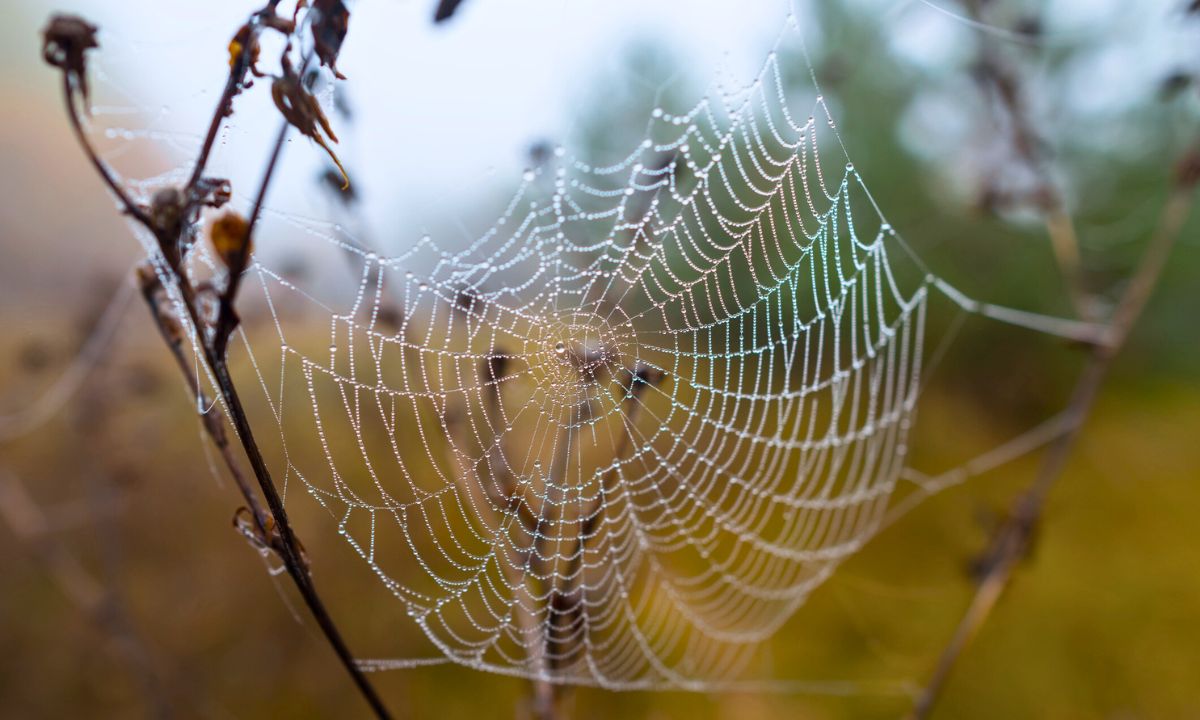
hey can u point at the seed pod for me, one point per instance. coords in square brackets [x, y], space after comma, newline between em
[65, 42]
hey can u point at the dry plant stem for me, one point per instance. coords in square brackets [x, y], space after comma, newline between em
[213, 421]
[130, 207]
[1027, 145]
[288, 547]
[233, 85]
[1011, 543]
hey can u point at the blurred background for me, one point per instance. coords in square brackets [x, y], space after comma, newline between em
[126, 593]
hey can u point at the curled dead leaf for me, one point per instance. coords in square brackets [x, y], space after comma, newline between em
[329, 31]
[303, 112]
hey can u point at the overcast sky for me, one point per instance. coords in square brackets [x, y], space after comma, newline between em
[446, 113]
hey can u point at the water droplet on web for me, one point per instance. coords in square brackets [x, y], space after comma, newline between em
[560, 348]
[528, 176]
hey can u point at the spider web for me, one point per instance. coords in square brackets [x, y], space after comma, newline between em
[619, 437]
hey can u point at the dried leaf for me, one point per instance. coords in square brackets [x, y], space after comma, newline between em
[65, 43]
[231, 240]
[304, 112]
[329, 31]
[245, 42]
[445, 9]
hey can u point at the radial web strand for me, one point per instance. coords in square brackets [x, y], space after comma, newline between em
[619, 437]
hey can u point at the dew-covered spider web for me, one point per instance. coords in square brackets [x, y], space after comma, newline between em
[619, 437]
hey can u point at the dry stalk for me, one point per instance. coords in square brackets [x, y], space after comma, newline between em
[171, 219]
[1011, 542]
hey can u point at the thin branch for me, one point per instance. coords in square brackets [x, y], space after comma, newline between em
[227, 317]
[289, 547]
[233, 85]
[102, 168]
[66, 42]
[1028, 146]
[1011, 543]
[213, 419]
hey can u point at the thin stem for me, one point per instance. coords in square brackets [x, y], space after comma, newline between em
[233, 85]
[213, 348]
[227, 318]
[102, 168]
[289, 547]
[1028, 146]
[214, 421]
[1011, 543]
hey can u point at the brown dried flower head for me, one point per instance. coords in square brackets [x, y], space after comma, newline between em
[65, 42]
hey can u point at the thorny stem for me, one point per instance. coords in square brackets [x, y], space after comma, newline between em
[639, 378]
[1012, 541]
[503, 496]
[288, 548]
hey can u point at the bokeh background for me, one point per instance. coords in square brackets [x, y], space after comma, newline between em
[131, 595]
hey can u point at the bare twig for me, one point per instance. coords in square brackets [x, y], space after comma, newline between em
[1029, 148]
[67, 39]
[1011, 543]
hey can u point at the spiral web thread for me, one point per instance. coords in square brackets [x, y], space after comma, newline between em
[619, 438]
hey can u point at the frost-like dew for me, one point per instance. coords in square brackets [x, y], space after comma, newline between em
[619, 437]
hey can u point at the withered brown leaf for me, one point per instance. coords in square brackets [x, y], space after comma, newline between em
[445, 10]
[329, 31]
[303, 112]
[231, 240]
